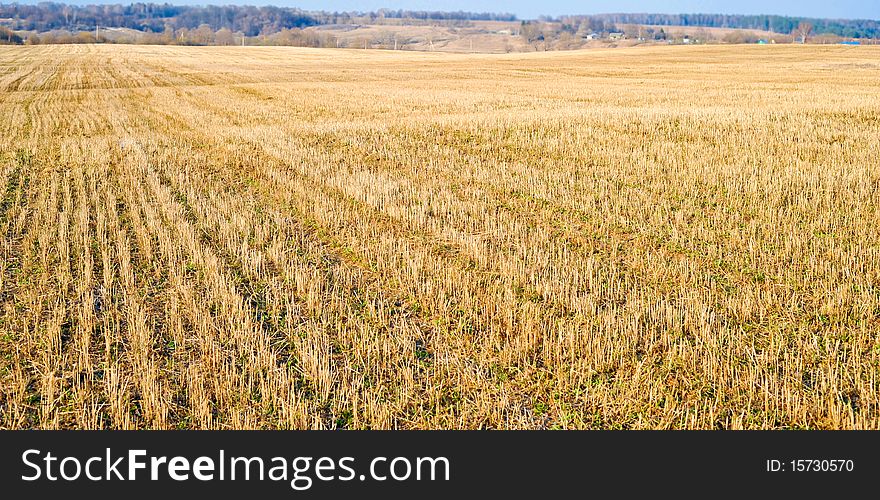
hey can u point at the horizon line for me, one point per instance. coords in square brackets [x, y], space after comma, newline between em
[388, 9]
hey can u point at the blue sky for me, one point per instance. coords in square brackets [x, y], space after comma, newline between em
[529, 9]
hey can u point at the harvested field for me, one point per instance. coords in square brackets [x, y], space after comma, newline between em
[244, 237]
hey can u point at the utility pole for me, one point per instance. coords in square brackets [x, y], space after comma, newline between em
[96, 32]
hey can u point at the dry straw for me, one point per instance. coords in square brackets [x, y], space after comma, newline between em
[676, 237]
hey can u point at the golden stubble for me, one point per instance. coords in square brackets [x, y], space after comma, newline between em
[206, 237]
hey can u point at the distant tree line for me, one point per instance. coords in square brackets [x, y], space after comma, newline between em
[8, 37]
[50, 22]
[156, 18]
[848, 28]
[445, 16]
[253, 21]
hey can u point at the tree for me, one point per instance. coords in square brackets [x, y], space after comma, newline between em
[632, 31]
[85, 37]
[7, 36]
[224, 36]
[530, 31]
[802, 31]
[702, 35]
[566, 40]
[168, 34]
[740, 36]
[203, 35]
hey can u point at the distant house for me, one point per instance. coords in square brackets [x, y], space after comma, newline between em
[762, 42]
[591, 36]
[686, 39]
[616, 36]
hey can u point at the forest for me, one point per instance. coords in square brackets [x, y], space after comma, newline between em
[267, 20]
[849, 28]
[251, 20]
